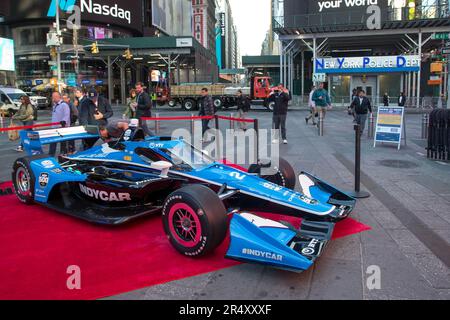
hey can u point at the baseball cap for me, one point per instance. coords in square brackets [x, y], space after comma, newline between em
[92, 93]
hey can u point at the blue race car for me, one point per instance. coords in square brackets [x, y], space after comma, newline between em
[124, 180]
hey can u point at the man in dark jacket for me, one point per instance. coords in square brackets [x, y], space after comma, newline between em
[402, 100]
[103, 110]
[281, 100]
[143, 107]
[206, 109]
[361, 105]
[243, 105]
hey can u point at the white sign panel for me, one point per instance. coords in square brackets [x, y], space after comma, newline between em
[184, 42]
[319, 77]
[368, 64]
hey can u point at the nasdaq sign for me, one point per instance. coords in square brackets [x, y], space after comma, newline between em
[368, 64]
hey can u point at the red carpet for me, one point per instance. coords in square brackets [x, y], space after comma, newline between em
[38, 245]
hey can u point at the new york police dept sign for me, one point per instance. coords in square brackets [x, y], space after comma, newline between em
[384, 64]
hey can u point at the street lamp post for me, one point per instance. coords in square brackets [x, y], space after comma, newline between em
[58, 48]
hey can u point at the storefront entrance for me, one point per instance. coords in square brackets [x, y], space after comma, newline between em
[367, 83]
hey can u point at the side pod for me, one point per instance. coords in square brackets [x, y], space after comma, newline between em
[258, 240]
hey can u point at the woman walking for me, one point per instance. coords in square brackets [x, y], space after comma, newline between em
[25, 114]
[130, 110]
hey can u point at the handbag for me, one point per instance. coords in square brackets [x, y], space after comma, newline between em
[13, 135]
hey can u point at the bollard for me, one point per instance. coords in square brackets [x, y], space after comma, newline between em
[2, 121]
[157, 125]
[192, 125]
[371, 128]
[320, 124]
[217, 139]
[358, 194]
[232, 127]
[425, 122]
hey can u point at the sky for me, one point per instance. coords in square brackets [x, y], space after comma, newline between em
[252, 19]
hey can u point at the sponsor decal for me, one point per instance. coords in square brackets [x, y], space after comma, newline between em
[44, 178]
[310, 249]
[47, 164]
[262, 254]
[127, 158]
[57, 171]
[156, 145]
[104, 195]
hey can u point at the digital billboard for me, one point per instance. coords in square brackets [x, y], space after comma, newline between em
[173, 17]
[7, 62]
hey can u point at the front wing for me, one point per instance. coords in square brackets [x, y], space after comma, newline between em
[280, 245]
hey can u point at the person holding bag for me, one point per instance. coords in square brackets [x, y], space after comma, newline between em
[25, 115]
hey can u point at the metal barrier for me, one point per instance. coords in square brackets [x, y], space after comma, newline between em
[425, 124]
[320, 124]
[371, 126]
[439, 135]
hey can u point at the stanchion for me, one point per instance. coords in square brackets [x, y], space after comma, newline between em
[256, 127]
[231, 121]
[320, 124]
[217, 138]
[358, 194]
[2, 121]
[425, 122]
[157, 125]
[192, 121]
[371, 129]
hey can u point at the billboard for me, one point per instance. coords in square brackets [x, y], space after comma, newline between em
[173, 17]
[7, 62]
[295, 7]
[122, 13]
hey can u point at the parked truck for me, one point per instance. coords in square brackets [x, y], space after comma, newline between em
[224, 96]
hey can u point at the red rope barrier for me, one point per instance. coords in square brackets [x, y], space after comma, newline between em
[30, 127]
[198, 118]
[177, 118]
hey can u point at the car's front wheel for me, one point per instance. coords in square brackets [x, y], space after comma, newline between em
[284, 176]
[23, 181]
[195, 220]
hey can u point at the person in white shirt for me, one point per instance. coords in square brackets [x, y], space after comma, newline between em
[312, 107]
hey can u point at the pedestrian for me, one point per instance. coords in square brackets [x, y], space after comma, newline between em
[243, 105]
[386, 99]
[143, 108]
[154, 99]
[312, 107]
[402, 100]
[322, 100]
[351, 112]
[60, 114]
[281, 100]
[206, 109]
[25, 115]
[103, 110]
[86, 111]
[362, 107]
[73, 120]
[130, 109]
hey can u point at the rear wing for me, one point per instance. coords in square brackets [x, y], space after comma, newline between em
[33, 141]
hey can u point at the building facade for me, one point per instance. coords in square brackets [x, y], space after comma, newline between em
[381, 46]
[230, 53]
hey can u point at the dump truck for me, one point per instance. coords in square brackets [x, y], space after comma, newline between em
[224, 96]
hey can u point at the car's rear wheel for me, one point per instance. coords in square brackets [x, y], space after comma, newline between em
[284, 176]
[195, 220]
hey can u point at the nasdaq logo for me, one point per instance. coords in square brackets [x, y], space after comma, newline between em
[64, 5]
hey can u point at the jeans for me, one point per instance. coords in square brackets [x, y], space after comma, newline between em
[144, 126]
[279, 121]
[242, 115]
[361, 120]
[205, 125]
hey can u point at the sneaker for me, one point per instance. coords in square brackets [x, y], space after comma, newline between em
[285, 141]
[307, 120]
[275, 141]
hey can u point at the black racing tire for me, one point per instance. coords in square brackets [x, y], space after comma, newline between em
[189, 104]
[285, 175]
[23, 178]
[194, 220]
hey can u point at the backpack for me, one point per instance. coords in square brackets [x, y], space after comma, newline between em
[35, 112]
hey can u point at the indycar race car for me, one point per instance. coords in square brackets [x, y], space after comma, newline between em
[124, 180]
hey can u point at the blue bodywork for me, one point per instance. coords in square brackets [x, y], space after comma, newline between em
[252, 239]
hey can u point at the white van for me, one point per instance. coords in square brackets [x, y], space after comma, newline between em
[10, 100]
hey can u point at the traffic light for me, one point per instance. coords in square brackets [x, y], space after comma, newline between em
[128, 55]
[53, 52]
[94, 48]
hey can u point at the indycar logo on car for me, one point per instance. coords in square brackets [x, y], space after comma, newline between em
[43, 180]
[104, 195]
[262, 254]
